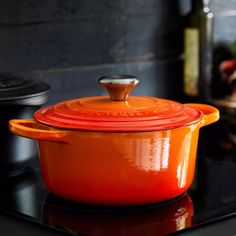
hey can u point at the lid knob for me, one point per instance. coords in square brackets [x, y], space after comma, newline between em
[119, 86]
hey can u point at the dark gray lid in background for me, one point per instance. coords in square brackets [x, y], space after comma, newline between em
[15, 90]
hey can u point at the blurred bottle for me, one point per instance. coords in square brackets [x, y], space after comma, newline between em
[198, 26]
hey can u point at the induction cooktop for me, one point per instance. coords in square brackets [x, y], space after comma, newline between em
[212, 196]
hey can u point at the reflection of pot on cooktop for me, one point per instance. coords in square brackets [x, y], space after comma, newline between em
[102, 221]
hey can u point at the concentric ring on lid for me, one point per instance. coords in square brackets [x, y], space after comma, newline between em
[138, 113]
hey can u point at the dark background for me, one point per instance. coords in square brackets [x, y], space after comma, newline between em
[70, 44]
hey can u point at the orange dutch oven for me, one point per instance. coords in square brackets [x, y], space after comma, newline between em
[117, 149]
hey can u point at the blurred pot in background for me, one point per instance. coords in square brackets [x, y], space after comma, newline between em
[19, 97]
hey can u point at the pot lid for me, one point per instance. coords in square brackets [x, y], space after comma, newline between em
[118, 112]
[17, 90]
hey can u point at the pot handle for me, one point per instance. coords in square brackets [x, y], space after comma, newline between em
[211, 114]
[26, 128]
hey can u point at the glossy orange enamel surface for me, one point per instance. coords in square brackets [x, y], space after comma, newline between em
[211, 114]
[99, 113]
[32, 129]
[120, 168]
[124, 168]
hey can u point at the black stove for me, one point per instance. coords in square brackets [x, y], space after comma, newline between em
[212, 196]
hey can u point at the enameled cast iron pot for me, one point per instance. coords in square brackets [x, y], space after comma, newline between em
[117, 150]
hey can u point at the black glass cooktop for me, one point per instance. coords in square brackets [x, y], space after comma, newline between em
[212, 196]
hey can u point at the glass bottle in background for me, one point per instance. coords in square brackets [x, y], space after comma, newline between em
[198, 26]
